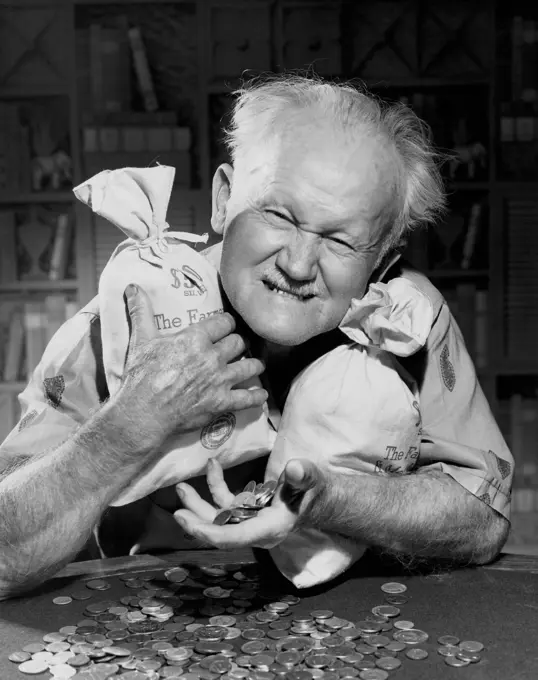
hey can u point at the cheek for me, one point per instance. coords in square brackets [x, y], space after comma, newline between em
[249, 241]
[345, 280]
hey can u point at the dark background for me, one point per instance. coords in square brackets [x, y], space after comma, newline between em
[70, 88]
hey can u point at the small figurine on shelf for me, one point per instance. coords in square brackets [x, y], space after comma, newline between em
[33, 239]
[52, 171]
[51, 167]
[471, 155]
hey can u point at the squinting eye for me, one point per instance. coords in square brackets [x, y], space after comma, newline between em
[280, 215]
[339, 242]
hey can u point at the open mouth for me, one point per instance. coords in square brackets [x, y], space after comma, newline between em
[286, 293]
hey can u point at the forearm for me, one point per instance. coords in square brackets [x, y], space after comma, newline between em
[50, 504]
[424, 516]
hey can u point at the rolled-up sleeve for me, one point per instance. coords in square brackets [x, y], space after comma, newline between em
[62, 393]
[459, 433]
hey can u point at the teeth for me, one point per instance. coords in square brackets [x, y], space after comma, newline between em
[285, 293]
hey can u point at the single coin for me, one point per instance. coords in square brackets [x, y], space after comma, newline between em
[416, 653]
[226, 621]
[386, 610]
[448, 650]
[388, 663]
[395, 646]
[473, 657]
[253, 634]
[393, 588]
[43, 656]
[67, 630]
[411, 637]
[19, 657]
[81, 595]
[404, 625]
[33, 667]
[448, 640]
[55, 637]
[250, 487]
[471, 646]
[62, 599]
[452, 661]
[321, 614]
[396, 599]
[368, 627]
[33, 647]
[373, 674]
[253, 647]
[223, 517]
[98, 584]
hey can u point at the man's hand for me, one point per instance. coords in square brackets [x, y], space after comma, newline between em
[300, 482]
[177, 383]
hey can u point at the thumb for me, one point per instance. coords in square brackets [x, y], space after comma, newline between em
[301, 474]
[141, 324]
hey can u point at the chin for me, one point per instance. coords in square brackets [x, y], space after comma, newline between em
[280, 334]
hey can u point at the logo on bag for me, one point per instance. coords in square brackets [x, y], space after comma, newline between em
[176, 283]
[194, 283]
[218, 431]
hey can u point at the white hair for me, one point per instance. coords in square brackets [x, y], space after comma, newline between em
[261, 104]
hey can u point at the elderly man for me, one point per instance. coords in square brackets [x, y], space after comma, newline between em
[325, 185]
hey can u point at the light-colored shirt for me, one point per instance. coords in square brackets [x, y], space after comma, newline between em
[459, 434]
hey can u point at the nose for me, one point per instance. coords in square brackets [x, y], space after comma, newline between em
[299, 257]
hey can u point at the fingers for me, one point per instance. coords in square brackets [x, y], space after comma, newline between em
[263, 530]
[195, 503]
[222, 496]
[241, 399]
[240, 371]
[141, 316]
[218, 327]
[302, 474]
[231, 347]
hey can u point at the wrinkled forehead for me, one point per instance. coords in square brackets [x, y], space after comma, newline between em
[323, 172]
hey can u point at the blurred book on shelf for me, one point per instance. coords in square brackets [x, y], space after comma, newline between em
[27, 331]
[518, 110]
[36, 244]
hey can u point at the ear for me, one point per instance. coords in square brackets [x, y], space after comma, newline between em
[222, 187]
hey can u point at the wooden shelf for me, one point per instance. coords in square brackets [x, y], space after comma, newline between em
[12, 386]
[37, 286]
[456, 273]
[37, 197]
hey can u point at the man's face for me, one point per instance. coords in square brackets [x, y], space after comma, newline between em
[303, 231]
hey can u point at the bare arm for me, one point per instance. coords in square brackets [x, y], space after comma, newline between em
[416, 517]
[421, 516]
[50, 503]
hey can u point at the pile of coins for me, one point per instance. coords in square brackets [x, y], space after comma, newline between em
[217, 622]
[248, 503]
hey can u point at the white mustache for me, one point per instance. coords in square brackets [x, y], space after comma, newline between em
[278, 281]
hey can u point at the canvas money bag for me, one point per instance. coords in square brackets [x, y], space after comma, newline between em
[355, 411]
[183, 288]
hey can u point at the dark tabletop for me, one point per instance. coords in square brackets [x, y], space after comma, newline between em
[496, 605]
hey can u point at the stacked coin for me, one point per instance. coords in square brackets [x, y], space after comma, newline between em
[248, 503]
[214, 622]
